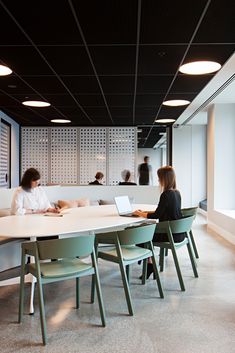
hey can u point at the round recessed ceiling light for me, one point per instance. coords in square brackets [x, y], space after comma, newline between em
[176, 102]
[60, 121]
[4, 70]
[200, 67]
[39, 104]
[164, 121]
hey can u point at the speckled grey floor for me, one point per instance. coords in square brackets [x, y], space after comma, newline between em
[200, 320]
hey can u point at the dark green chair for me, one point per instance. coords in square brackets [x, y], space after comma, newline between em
[187, 212]
[126, 252]
[183, 225]
[67, 266]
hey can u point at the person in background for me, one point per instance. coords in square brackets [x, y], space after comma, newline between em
[169, 207]
[98, 178]
[126, 174]
[145, 172]
[30, 198]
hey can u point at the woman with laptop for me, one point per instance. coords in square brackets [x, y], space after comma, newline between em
[169, 207]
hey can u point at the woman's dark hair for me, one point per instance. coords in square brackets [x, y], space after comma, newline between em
[126, 174]
[166, 176]
[99, 175]
[30, 175]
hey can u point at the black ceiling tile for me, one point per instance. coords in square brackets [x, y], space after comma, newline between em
[146, 111]
[185, 96]
[114, 60]
[121, 111]
[19, 86]
[46, 22]
[7, 101]
[49, 85]
[149, 100]
[12, 34]
[119, 99]
[68, 60]
[169, 21]
[160, 59]
[218, 23]
[79, 84]
[90, 100]
[96, 111]
[117, 84]
[107, 22]
[171, 112]
[153, 85]
[143, 119]
[60, 100]
[189, 84]
[123, 121]
[219, 53]
[24, 61]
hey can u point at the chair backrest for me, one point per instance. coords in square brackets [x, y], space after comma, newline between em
[65, 248]
[181, 225]
[186, 212]
[136, 235]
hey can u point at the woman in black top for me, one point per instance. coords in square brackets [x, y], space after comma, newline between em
[169, 207]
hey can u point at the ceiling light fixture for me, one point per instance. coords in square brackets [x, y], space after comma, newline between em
[4, 70]
[39, 104]
[164, 121]
[139, 130]
[60, 121]
[200, 67]
[176, 102]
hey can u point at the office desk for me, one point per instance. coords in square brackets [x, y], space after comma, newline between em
[75, 221]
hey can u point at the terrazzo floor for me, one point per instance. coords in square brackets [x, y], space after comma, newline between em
[199, 320]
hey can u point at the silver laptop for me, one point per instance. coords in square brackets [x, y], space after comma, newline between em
[124, 206]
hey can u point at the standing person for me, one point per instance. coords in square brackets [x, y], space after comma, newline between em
[145, 172]
[169, 207]
[126, 175]
[30, 198]
[98, 178]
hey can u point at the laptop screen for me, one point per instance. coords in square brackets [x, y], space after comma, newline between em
[123, 204]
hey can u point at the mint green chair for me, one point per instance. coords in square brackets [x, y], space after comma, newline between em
[126, 252]
[183, 225]
[67, 266]
[187, 212]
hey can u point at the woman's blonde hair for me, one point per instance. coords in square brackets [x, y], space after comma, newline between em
[167, 179]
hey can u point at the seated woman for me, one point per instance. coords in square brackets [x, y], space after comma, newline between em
[98, 178]
[169, 207]
[30, 198]
[126, 174]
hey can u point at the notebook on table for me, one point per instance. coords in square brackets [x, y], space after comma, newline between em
[124, 206]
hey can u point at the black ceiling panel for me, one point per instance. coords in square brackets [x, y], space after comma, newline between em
[160, 59]
[217, 26]
[108, 22]
[131, 77]
[169, 21]
[46, 22]
[119, 60]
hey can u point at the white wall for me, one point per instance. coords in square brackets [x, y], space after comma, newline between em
[220, 169]
[155, 160]
[15, 138]
[189, 162]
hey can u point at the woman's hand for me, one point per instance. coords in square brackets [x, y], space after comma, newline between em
[53, 210]
[140, 213]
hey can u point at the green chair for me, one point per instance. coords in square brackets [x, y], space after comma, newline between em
[187, 212]
[183, 225]
[67, 266]
[126, 252]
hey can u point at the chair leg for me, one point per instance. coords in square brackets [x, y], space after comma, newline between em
[42, 311]
[177, 267]
[144, 271]
[92, 288]
[98, 289]
[192, 259]
[166, 252]
[193, 244]
[128, 273]
[124, 280]
[156, 272]
[77, 293]
[161, 259]
[21, 299]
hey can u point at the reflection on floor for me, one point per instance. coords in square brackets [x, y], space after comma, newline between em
[200, 320]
